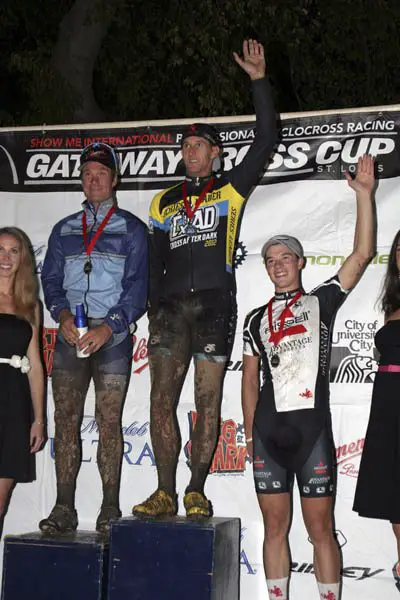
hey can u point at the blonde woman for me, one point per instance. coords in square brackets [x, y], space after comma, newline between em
[21, 372]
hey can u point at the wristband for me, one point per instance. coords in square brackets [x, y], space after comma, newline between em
[250, 439]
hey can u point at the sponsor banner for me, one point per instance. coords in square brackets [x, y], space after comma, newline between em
[317, 147]
[302, 192]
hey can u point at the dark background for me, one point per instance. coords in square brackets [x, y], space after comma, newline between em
[91, 60]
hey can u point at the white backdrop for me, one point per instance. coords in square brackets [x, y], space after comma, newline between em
[303, 193]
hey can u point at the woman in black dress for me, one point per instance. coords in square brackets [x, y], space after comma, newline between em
[21, 372]
[378, 486]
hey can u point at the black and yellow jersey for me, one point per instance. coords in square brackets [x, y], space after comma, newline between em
[195, 254]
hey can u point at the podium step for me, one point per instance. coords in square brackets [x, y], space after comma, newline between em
[174, 559]
[70, 566]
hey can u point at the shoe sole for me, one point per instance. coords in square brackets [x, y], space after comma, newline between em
[55, 531]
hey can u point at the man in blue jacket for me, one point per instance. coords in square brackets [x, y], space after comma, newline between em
[96, 257]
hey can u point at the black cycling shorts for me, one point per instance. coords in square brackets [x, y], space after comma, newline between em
[316, 478]
[200, 323]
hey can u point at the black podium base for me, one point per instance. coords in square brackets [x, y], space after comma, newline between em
[174, 559]
[64, 567]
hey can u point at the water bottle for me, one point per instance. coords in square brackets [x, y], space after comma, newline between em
[82, 326]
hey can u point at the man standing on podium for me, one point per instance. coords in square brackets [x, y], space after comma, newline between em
[96, 257]
[193, 229]
[287, 422]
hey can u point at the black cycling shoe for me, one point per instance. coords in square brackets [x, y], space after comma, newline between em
[62, 519]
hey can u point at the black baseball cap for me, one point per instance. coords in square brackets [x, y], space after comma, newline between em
[101, 153]
[204, 130]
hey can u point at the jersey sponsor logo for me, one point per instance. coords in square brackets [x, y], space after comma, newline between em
[205, 219]
[321, 489]
[306, 489]
[230, 456]
[306, 394]
[258, 463]
[320, 468]
[209, 348]
[293, 325]
[262, 485]
[317, 480]
[276, 484]
[260, 474]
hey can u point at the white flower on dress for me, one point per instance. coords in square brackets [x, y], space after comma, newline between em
[19, 362]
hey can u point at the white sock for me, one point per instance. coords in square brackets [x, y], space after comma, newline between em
[278, 588]
[328, 591]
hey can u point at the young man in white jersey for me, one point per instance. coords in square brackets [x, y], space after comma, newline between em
[287, 421]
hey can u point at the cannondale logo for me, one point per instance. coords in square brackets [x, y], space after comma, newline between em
[14, 173]
[240, 254]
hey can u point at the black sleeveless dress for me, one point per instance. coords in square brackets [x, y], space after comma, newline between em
[16, 461]
[378, 485]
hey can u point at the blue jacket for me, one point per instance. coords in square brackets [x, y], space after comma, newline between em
[116, 288]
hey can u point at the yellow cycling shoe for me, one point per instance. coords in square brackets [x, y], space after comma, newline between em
[159, 504]
[197, 505]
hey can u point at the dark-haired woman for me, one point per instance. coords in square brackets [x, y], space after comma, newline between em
[378, 486]
[21, 372]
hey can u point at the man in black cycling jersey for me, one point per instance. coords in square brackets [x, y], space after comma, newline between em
[193, 228]
[287, 421]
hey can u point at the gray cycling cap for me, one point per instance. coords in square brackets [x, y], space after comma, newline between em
[287, 240]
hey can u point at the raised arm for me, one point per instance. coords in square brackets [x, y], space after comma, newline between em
[363, 248]
[246, 174]
[253, 61]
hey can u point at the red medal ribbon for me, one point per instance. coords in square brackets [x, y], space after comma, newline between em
[276, 336]
[89, 246]
[189, 210]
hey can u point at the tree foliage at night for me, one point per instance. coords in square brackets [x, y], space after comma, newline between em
[91, 60]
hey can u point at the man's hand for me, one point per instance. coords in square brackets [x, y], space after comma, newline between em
[95, 338]
[364, 180]
[68, 328]
[253, 61]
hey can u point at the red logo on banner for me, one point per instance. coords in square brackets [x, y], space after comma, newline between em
[139, 358]
[347, 457]
[229, 456]
[49, 339]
